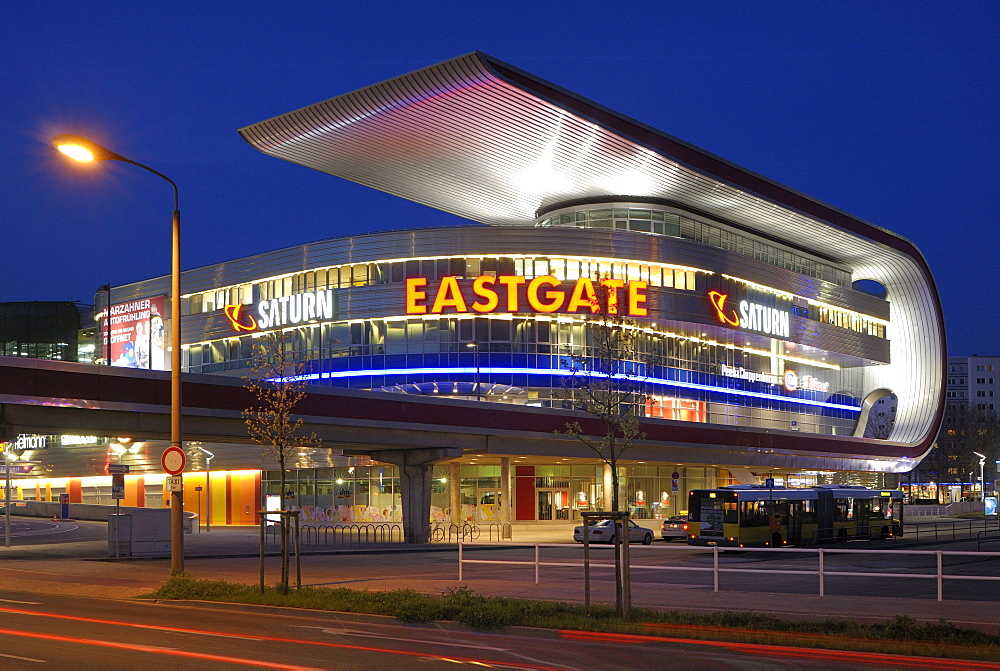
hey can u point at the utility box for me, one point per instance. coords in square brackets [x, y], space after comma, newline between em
[142, 532]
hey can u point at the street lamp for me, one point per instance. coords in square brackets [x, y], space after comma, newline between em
[107, 324]
[982, 480]
[208, 487]
[83, 150]
[475, 346]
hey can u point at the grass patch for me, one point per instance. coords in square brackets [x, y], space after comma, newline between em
[898, 635]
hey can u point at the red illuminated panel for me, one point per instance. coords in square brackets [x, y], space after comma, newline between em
[683, 409]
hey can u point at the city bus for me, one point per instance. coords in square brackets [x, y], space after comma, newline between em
[756, 515]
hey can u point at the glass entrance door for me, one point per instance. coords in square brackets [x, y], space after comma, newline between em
[553, 505]
[489, 505]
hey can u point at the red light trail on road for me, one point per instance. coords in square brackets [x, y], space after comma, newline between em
[222, 634]
[816, 654]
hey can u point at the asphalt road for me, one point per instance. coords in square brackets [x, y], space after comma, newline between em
[75, 632]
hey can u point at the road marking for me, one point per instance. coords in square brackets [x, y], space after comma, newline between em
[815, 654]
[350, 632]
[155, 649]
[23, 659]
[30, 603]
[203, 632]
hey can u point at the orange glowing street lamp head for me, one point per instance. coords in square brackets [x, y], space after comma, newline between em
[83, 150]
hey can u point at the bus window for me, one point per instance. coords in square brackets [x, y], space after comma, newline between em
[809, 514]
[753, 514]
[842, 510]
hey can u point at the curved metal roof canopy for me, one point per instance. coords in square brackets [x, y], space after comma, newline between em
[478, 138]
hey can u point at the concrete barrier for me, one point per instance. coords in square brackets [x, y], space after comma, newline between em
[91, 511]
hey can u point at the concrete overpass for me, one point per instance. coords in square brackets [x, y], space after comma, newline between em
[412, 432]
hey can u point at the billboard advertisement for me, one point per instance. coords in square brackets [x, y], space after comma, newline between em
[136, 332]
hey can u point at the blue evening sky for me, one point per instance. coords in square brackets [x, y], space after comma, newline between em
[888, 110]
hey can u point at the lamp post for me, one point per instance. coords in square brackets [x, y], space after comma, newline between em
[85, 151]
[208, 487]
[982, 476]
[475, 346]
[106, 350]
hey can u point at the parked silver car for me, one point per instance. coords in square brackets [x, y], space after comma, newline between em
[673, 527]
[603, 532]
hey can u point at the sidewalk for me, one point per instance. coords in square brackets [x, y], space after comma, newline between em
[231, 553]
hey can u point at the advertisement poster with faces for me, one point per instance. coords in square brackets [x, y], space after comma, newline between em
[136, 332]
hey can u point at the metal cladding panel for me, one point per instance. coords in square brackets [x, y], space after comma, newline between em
[483, 140]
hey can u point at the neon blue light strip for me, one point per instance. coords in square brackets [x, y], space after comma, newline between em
[563, 372]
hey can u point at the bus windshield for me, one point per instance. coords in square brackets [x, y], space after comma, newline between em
[710, 510]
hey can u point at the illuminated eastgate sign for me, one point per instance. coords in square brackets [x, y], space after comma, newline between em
[789, 379]
[752, 316]
[284, 311]
[512, 293]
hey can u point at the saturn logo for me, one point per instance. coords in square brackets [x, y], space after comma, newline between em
[236, 318]
[719, 303]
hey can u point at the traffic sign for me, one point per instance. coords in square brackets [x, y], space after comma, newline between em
[117, 486]
[117, 469]
[173, 460]
[175, 484]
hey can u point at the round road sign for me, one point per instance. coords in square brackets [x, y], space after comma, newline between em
[173, 460]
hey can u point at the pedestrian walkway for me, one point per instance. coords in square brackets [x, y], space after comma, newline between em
[231, 553]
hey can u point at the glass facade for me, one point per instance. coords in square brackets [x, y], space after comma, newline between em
[674, 223]
[788, 351]
[39, 330]
[730, 378]
[549, 493]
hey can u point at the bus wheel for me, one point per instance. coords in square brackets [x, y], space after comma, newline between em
[842, 536]
[884, 533]
[776, 540]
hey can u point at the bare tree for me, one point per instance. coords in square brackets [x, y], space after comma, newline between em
[276, 383]
[606, 382]
[966, 430]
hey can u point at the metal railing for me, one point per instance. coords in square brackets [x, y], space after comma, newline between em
[987, 536]
[469, 532]
[351, 534]
[820, 570]
[949, 530]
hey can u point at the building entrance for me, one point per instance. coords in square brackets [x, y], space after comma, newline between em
[553, 505]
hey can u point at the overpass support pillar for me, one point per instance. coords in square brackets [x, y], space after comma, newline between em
[455, 493]
[506, 504]
[608, 487]
[416, 471]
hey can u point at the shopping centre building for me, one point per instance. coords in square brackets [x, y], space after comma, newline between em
[765, 319]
